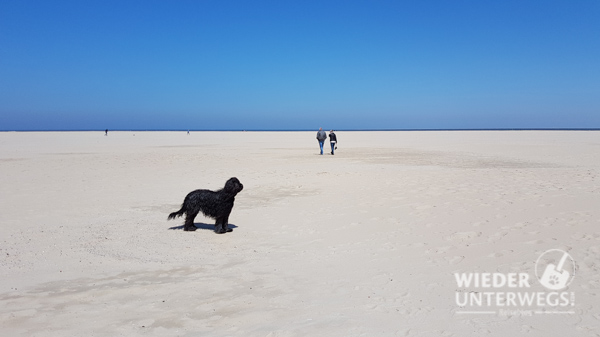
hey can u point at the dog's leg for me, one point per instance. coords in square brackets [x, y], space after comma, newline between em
[226, 224]
[220, 225]
[189, 222]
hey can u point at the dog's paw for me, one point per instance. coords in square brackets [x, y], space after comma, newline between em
[189, 229]
[220, 231]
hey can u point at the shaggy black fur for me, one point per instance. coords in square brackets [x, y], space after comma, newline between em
[213, 204]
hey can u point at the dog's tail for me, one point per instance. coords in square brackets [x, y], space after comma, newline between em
[176, 214]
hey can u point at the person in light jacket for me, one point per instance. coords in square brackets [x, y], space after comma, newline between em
[321, 136]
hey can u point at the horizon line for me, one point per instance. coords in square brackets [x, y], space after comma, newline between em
[301, 130]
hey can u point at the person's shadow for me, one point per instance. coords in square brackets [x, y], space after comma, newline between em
[205, 226]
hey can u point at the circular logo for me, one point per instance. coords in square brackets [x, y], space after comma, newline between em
[555, 269]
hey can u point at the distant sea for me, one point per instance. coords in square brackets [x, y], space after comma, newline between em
[304, 130]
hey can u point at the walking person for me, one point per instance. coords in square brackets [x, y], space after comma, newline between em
[321, 136]
[333, 141]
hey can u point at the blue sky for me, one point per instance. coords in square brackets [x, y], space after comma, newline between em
[205, 65]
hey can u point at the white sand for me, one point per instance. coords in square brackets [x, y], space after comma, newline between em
[363, 243]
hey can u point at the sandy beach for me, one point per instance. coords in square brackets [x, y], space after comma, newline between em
[363, 243]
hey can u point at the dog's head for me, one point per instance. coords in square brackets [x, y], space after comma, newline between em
[233, 185]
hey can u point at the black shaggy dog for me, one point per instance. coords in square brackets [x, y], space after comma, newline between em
[213, 204]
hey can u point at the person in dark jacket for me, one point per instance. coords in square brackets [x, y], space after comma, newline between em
[321, 136]
[333, 141]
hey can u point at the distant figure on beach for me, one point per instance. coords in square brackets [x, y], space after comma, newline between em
[333, 141]
[321, 136]
[106, 132]
[188, 132]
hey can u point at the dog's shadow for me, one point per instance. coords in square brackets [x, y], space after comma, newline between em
[201, 225]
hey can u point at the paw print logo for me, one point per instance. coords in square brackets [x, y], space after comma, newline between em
[558, 271]
[553, 280]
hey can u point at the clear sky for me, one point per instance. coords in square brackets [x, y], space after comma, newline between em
[205, 65]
